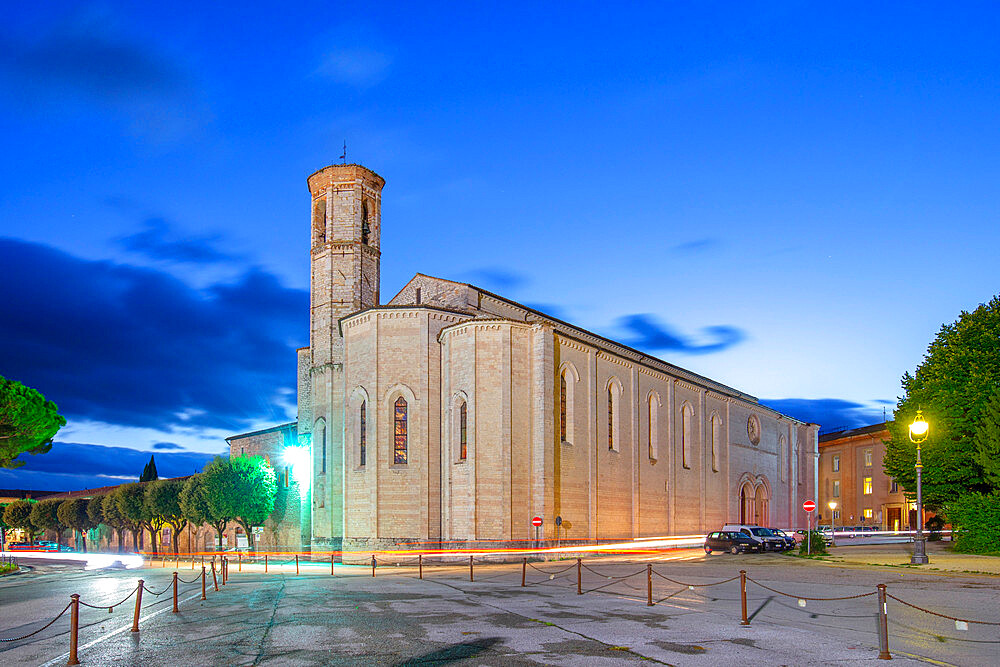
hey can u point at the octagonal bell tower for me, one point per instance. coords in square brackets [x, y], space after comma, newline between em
[346, 223]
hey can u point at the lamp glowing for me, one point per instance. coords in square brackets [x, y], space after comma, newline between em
[919, 428]
[832, 504]
[297, 458]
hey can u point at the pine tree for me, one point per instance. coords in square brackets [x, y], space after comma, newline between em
[149, 472]
[987, 441]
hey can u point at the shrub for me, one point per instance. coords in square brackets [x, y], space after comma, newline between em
[814, 543]
[934, 526]
[975, 521]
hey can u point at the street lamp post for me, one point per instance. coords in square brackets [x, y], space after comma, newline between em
[833, 524]
[918, 433]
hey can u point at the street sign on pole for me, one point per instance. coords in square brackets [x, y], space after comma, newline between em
[809, 506]
[536, 522]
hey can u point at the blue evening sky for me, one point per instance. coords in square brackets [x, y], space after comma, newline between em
[790, 199]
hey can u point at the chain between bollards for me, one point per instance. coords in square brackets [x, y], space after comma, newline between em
[743, 597]
[203, 583]
[883, 626]
[175, 593]
[579, 576]
[138, 606]
[649, 584]
[420, 566]
[524, 570]
[74, 628]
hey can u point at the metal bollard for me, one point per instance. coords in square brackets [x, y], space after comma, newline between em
[579, 576]
[265, 563]
[374, 564]
[420, 565]
[74, 628]
[203, 583]
[239, 565]
[215, 580]
[524, 570]
[138, 606]
[649, 584]
[883, 626]
[331, 565]
[743, 597]
[175, 592]
[296, 565]
[471, 578]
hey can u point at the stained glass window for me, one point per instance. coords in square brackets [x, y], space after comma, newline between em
[363, 436]
[463, 442]
[562, 407]
[399, 432]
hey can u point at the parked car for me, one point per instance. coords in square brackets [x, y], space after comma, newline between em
[763, 536]
[732, 541]
[788, 539]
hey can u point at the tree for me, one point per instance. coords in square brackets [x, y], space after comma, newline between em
[28, 422]
[18, 515]
[130, 499]
[952, 386]
[72, 513]
[95, 512]
[243, 487]
[987, 440]
[45, 516]
[149, 472]
[164, 505]
[196, 509]
[114, 519]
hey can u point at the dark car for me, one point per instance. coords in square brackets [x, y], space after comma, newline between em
[789, 541]
[732, 542]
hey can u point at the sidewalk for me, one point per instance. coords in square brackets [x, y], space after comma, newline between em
[942, 559]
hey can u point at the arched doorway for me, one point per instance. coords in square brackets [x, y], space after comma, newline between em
[760, 506]
[747, 497]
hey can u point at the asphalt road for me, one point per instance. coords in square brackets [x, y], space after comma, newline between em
[395, 618]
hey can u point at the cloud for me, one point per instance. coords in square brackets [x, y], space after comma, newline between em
[832, 414]
[497, 278]
[360, 66]
[138, 347]
[166, 445]
[646, 333]
[155, 242]
[697, 246]
[69, 466]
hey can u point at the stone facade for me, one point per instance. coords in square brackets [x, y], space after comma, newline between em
[454, 414]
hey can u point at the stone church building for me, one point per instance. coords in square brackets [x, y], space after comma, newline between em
[448, 413]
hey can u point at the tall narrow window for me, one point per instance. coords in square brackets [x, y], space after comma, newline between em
[285, 475]
[399, 431]
[562, 407]
[687, 414]
[611, 419]
[319, 440]
[836, 488]
[868, 458]
[716, 435]
[654, 427]
[782, 458]
[836, 463]
[365, 229]
[322, 446]
[363, 435]
[463, 441]
[319, 220]
[867, 486]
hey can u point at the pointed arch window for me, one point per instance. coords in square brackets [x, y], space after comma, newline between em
[782, 459]
[611, 418]
[614, 415]
[654, 427]
[320, 430]
[687, 419]
[463, 433]
[562, 407]
[363, 434]
[399, 432]
[365, 229]
[715, 433]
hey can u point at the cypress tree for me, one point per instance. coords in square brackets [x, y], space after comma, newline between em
[149, 472]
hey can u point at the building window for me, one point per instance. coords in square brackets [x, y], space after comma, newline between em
[363, 435]
[868, 458]
[653, 423]
[868, 486]
[782, 459]
[836, 488]
[716, 435]
[463, 441]
[319, 220]
[284, 475]
[836, 514]
[611, 419]
[687, 417]
[893, 486]
[322, 447]
[365, 229]
[836, 463]
[562, 407]
[867, 513]
[399, 432]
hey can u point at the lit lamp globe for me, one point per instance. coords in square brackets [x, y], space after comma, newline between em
[919, 428]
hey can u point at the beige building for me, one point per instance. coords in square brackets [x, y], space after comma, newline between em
[449, 413]
[851, 474]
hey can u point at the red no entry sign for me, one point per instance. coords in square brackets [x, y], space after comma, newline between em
[536, 521]
[809, 506]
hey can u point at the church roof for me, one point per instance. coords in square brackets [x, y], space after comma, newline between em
[472, 303]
